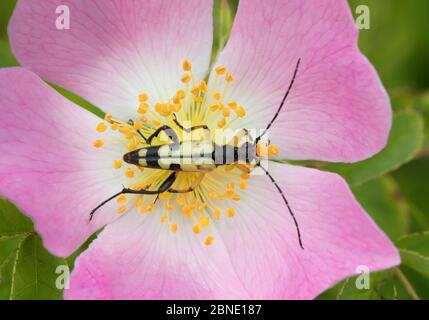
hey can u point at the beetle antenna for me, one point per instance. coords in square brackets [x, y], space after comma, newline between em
[282, 103]
[91, 215]
[287, 205]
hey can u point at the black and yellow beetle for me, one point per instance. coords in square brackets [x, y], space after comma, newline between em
[198, 156]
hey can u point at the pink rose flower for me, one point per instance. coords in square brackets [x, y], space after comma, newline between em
[233, 237]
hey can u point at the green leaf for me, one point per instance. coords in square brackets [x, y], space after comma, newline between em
[405, 141]
[33, 273]
[27, 269]
[413, 180]
[381, 287]
[378, 197]
[414, 251]
[13, 223]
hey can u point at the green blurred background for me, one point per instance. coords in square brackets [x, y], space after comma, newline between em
[392, 186]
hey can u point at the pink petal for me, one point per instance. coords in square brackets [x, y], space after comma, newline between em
[338, 109]
[136, 257]
[254, 255]
[114, 50]
[48, 166]
[337, 235]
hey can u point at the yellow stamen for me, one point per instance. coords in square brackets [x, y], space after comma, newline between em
[229, 78]
[273, 150]
[121, 209]
[129, 173]
[108, 117]
[98, 143]
[122, 198]
[101, 127]
[241, 112]
[243, 185]
[147, 208]
[220, 70]
[196, 228]
[216, 214]
[230, 212]
[165, 219]
[209, 240]
[186, 78]
[204, 221]
[117, 164]
[173, 227]
[187, 66]
[143, 97]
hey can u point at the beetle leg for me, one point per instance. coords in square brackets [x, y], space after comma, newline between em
[165, 186]
[167, 130]
[188, 130]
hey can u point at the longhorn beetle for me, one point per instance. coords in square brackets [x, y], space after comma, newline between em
[199, 156]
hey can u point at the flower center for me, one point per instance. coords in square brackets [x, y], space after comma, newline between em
[200, 193]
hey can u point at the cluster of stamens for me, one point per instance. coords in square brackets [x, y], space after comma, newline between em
[196, 103]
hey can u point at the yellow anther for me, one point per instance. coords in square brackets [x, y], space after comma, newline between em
[209, 240]
[129, 173]
[188, 210]
[221, 123]
[138, 125]
[181, 94]
[122, 198]
[230, 212]
[121, 209]
[173, 227]
[232, 105]
[204, 221]
[108, 117]
[101, 127]
[244, 176]
[187, 66]
[241, 112]
[225, 112]
[148, 208]
[273, 150]
[164, 109]
[202, 86]
[198, 99]
[216, 214]
[114, 126]
[139, 201]
[143, 97]
[196, 228]
[165, 218]
[169, 207]
[186, 78]
[181, 201]
[156, 123]
[176, 107]
[220, 70]
[143, 119]
[117, 164]
[98, 143]
[243, 184]
[195, 91]
[230, 186]
[126, 132]
[164, 196]
[235, 197]
[217, 96]
[143, 108]
[229, 78]
[214, 107]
